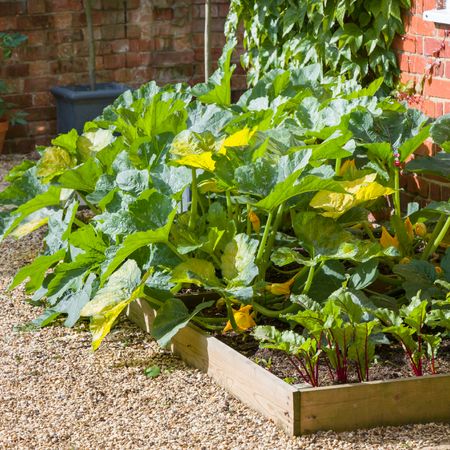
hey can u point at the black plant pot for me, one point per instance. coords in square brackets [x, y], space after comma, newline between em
[77, 104]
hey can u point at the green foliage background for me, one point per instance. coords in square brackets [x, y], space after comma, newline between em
[347, 37]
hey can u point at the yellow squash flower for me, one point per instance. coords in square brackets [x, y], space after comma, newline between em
[386, 240]
[409, 228]
[281, 288]
[243, 319]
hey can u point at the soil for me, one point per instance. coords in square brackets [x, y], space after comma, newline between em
[390, 364]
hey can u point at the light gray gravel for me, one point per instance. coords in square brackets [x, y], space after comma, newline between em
[56, 394]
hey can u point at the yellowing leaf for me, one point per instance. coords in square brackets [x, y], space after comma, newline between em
[101, 323]
[238, 139]
[254, 220]
[386, 240]
[281, 288]
[198, 161]
[358, 191]
[243, 319]
[54, 161]
[29, 227]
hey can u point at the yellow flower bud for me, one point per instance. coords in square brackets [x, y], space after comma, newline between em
[254, 219]
[438, 270]
[281, 288]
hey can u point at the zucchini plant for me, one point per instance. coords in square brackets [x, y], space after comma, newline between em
[282, 183]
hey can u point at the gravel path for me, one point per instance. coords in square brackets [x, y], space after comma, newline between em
[56, 394]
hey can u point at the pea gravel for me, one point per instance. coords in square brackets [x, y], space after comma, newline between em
[56, 394]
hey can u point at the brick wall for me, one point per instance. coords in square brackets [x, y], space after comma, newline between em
[424, 60]
[158, 40]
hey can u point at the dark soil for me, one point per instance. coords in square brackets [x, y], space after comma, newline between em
[390, 364]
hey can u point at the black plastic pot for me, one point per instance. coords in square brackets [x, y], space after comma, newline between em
[76, 105]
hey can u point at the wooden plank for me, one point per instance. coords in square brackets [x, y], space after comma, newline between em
[250, 383]
[376, 403]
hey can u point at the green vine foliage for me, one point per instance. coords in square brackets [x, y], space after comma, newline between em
[347, 37]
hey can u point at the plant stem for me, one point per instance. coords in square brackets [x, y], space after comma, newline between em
[271, 241]
[194, 201]
[309, 280]
[249, 224]
[438, 235]
[297, 368]
[78, 222]
[337, 167]
[263, 242]
[397, 205]
[93, 208]
[229, 205]
[206, 325]
[274, 313]
[230, 312]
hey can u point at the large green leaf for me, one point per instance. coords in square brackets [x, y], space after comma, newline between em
[23, 187]
[172, 316]
[170, 180]
[82, 178]
[71, 304]
[408, 147]
[440, 132]
[133, 181]
[436, 165]
[292, 187]
[195, 271]
[136, 241]
[257, 178]
[70, 275]
[418, 276]
[60, 226]
[46, 199]
[36, 271]
[323, 238]
[217, 90]
[364, 274]
[67, 141]
[238, 260]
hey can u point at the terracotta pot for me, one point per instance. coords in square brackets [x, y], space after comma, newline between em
[3, 129]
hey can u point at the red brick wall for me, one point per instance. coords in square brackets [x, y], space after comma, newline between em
[158, 40]
[424, 60]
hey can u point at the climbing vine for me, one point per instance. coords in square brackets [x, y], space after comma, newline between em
[347, 37]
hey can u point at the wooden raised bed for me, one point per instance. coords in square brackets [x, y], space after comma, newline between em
[301, 409]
